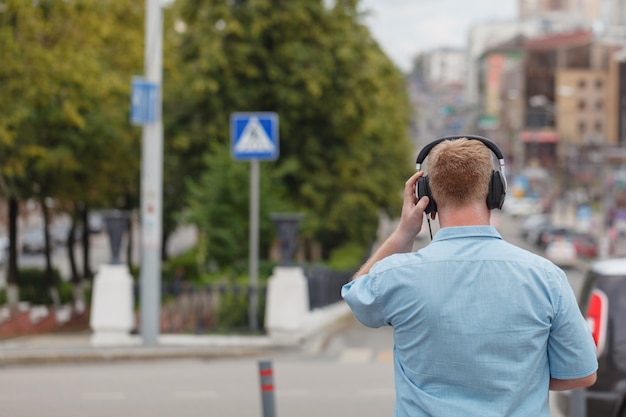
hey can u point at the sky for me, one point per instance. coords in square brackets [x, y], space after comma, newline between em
[403, 28]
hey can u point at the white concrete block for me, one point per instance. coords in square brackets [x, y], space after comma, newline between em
[112, 317]
[287, 304]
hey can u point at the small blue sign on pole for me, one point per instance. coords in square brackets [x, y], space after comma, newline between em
[144, 101]
[254, 136]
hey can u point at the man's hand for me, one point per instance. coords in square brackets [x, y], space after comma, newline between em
[412, 210]
[401, 240]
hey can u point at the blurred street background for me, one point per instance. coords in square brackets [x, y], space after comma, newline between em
[228, 140]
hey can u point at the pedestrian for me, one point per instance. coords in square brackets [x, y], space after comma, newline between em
[481, 327]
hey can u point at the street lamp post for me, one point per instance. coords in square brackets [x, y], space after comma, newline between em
[152, 179]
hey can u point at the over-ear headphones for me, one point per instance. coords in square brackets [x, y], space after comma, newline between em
[497, 184]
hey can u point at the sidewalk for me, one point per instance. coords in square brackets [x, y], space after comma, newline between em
[77, 347]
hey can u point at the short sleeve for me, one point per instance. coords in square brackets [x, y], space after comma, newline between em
[362, 298]
[571, 350]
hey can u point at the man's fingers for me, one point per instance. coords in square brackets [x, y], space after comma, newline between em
[422, 203]
[411, 183]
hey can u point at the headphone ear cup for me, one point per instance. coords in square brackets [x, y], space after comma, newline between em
[422, 189]
[495, 197]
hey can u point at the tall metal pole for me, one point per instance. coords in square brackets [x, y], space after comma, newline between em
[254, 243]
[151, 183]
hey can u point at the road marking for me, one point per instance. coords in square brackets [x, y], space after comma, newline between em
[188, 395]
[103, 396]
[385, 356]
[355, 355]
[378, 392]
[293, 393]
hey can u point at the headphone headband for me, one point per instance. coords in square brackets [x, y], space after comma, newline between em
[490, 144]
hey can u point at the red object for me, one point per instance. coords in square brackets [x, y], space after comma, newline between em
[585, 246]
[597, 314]
[539, 136]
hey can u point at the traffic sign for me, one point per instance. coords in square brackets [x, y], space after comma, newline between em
[144, 101]
[254, 136]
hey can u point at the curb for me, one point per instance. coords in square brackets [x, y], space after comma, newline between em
[77, 348]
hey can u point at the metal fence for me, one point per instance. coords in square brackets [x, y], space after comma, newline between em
[189, 308]
[223, 308]
[325, 285]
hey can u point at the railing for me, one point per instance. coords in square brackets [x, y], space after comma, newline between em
[189, 308]
[325, 285]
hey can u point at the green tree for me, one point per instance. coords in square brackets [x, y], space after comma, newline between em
[342, 104]
[65, 133]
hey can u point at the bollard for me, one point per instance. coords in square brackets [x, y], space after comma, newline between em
[267, 388]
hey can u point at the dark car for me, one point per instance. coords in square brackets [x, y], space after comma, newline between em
[603, 300]
[550, 233]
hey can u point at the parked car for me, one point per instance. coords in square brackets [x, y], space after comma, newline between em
[33, 241]
[603, 299]
[562, 252]
[551, 233]
[4, 249]
[533, 235]
[533, 223]
[59, 234]
[522, 206]
[586, 245]
[96, 222]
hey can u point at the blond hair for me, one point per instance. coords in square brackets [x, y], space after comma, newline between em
[459, 172]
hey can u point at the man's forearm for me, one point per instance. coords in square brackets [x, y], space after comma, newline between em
[396, 243]
[569, 384]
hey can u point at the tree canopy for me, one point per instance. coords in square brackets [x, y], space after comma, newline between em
[65, 86]
[343, 108]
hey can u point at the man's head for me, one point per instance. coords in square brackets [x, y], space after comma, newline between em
[459, 172]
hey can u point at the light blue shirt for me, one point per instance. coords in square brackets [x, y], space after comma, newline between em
[479, 325]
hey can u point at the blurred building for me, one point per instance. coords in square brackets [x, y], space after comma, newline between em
[444, 66]
[584, 10]
[501, 82]
[436, 90]
[550, 89]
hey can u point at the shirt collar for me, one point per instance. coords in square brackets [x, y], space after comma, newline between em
[466, 231]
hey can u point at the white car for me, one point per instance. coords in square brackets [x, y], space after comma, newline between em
[534, 223]
[4, 249]
[522, 207]
[562, 252]
[33, 241]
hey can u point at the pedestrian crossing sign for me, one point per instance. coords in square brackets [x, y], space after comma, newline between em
[254, 136]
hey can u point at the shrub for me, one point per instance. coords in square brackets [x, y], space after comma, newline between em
[347, 257]
[35, 290]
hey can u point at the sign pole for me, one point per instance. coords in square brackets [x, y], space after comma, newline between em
[254, 137]
[255, 176]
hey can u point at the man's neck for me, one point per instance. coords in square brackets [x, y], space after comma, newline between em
[471, 215]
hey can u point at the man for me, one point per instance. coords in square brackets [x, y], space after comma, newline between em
[481, 327]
